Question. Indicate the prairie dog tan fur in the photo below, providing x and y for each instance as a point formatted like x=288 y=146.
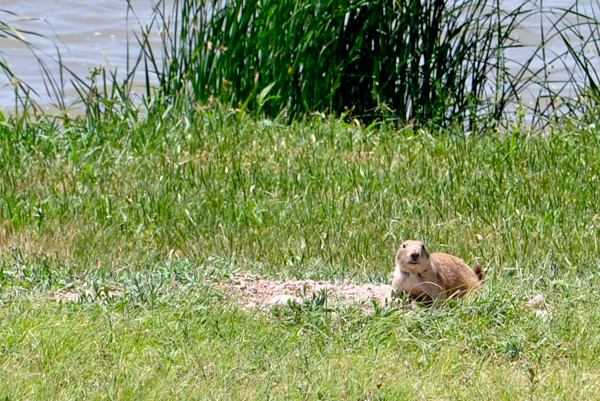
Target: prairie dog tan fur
x=432 y=276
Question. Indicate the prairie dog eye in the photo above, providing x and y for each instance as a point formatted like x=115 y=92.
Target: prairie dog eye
x=403 y=245
x=423 y=247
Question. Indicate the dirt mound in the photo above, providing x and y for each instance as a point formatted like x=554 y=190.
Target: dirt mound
x=254 y=292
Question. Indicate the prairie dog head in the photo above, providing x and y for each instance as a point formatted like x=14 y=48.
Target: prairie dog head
x=412 y=257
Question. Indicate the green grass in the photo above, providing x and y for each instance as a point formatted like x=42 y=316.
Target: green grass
x=197 y=197
x=193 y=344
x=163 y=206
x=317 y=196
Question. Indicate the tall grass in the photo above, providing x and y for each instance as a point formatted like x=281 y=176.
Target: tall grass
x=433 y=61
x=317 y=200
x=580 y=35
x=436 y=62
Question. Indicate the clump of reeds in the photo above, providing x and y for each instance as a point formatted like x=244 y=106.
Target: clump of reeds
x=434 y=61
x=577 y=94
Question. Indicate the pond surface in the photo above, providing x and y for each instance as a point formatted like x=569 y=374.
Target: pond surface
x=88 y=34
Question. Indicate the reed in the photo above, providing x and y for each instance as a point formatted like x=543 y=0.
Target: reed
x=434 y=61
x=580 y=34
x=22 y=91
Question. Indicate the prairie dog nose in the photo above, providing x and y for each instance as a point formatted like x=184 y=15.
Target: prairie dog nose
x=415 y=255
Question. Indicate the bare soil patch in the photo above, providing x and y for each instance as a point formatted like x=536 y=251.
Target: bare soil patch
x=261 y=293
x=253 y=292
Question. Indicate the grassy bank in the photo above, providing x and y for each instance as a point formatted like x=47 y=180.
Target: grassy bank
x=315 y=198
x=186 y=198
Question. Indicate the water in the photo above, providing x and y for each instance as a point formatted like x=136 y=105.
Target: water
x=93 y=33
x=88 y=34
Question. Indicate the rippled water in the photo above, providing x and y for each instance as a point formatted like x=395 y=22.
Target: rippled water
x=91 y=33
x=87 y=34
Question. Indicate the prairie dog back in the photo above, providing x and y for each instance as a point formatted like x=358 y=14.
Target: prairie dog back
x=455 y=273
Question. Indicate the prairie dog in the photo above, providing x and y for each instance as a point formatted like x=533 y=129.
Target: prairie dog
x=432 y=276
